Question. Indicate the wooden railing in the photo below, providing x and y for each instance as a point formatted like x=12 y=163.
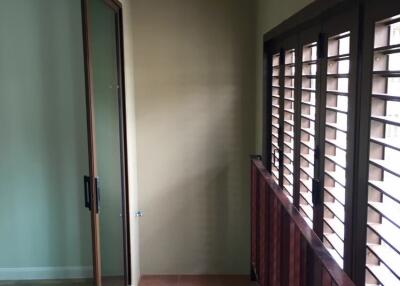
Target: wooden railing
x=285 y=251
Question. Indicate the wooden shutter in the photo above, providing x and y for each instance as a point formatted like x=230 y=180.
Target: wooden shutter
x=383 y=219
x=289 y=121
x=335 y=138
x=275 y=122
x=308 y=107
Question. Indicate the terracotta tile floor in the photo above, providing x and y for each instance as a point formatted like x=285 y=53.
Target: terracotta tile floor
x=83 y=282
x=147 y=281
x=183 y=280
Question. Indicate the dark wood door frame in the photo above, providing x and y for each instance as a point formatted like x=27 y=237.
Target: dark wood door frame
x=116 y=6
x=91 y=142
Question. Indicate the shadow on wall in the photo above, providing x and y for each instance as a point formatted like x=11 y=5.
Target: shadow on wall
x=194 y=77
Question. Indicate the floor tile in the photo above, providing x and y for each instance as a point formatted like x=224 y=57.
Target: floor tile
x=230 y=280
x=196 y=280
x=155 y=280
x=81 y=282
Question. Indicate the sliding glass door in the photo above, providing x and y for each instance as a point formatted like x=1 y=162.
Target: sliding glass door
x=45 y=231
x=109 y=125
x=63 y=184
x=107 y=142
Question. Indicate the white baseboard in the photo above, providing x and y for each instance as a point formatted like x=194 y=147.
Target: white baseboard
x=36 y=273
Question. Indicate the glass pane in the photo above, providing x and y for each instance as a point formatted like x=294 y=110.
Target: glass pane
x=106 y=100
x=45 y=231
x=395 y=34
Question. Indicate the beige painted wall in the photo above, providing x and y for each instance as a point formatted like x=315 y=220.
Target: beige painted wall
x=270 y=13
x=131 y=136
x=194 y=86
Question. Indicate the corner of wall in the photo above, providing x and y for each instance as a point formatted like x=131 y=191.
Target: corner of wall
x=131 y=137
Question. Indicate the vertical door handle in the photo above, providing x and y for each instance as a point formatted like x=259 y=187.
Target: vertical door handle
x=88 y=197
x=316 y=192
x=97 y=185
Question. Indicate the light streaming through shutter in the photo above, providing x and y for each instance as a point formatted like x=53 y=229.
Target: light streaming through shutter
x=288 y=122
x=338 y=63
x=307 y=130
x=275 y=116
x=383 y=228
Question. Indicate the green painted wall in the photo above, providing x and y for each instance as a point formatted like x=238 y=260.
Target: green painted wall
x=107 y=136
x=43 y=149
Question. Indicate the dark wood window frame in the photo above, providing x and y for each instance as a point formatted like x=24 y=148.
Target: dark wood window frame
x=316 y=23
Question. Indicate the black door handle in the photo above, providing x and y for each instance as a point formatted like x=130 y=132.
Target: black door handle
x=88 y=196
x=316 y=192
x=97 y=185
